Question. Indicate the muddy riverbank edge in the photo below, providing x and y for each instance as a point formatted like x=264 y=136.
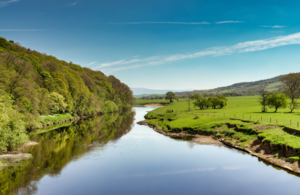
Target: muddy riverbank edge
x=262 y=150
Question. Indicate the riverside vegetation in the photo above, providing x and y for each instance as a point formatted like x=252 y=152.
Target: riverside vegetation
x=38 y=88
x=240 y=124
x=57 y=148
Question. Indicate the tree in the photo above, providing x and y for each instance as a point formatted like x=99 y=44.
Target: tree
x=263 y=99
x=277 y=100
x=170 y=96
x=292 y=88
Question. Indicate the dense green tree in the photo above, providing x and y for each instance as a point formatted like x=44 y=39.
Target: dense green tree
x=277 y=100
x=170 y=96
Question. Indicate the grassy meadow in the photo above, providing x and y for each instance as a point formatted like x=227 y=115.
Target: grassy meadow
x=241 y=107
x=244 y=112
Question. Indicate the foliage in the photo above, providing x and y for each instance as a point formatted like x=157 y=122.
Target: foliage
x=263 y=99
x=205 y=103
x=12 y=129
x=109 y=107
x=277 y=100
x=170 y=96
x=295 y=158
x=292 y=88
x=40 y=84
x=57 y=148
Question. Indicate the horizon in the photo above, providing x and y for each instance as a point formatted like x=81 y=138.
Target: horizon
x=196 y=45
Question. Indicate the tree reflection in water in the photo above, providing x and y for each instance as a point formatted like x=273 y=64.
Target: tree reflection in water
x=57 y=148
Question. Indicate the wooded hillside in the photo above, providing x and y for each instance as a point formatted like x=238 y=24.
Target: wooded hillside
x=34 y=84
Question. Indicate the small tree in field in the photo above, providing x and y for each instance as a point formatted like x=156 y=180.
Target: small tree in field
x=263 y=99
x=170 y=96
x=277 y=100
x=292 y=88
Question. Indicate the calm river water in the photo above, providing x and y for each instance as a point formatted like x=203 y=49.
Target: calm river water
x=113 y=155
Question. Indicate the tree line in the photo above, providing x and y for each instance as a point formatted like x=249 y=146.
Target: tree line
x=34 y=84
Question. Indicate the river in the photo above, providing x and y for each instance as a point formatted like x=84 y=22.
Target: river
x=112 y=154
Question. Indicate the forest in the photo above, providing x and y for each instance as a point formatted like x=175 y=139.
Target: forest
x=34 y=84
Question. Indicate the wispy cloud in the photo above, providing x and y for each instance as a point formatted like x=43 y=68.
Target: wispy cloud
x=5 y=3
x=190 y=23
x=228 y=22
x=275 y=26
x=243 y=47
x=74 y=3
x=20 y=30
x=91 y=63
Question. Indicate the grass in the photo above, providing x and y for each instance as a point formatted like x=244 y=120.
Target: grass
x=241 y=107
x=244 y=112
x=54 y=118
x=1 y=164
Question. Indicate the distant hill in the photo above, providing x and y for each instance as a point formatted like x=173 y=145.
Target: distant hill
x=145 y=91
x=237 y=89
x=244 y=88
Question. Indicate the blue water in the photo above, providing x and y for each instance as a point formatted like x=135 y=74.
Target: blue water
x=144 y=162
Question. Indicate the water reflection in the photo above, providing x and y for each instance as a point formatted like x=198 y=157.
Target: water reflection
x=57 y=148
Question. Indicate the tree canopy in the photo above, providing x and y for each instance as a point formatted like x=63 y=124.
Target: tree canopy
x=39 y=84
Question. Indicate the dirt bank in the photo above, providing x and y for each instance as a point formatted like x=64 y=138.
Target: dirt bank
x=262 y=150
x=153 y=105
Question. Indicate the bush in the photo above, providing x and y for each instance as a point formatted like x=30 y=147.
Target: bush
x=110 y=106
x=294 y=158
x=196 y=117
x=12 y=128
x=219 y=135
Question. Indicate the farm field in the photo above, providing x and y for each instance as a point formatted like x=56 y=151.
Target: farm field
x=241 y=107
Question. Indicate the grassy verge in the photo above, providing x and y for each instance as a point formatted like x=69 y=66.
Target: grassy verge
x=54 y=118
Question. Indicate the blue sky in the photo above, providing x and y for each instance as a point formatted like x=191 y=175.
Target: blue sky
x=191 y=44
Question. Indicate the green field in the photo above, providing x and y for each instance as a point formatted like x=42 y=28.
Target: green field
x=241 y=107
x=244 y=112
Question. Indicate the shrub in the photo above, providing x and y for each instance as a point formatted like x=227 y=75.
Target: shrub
x=12 y=128
x=294 y=158
x=219 y=135
x=196 y=117
x=110 y=106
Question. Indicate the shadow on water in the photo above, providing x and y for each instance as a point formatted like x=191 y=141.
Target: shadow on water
x=59 y=147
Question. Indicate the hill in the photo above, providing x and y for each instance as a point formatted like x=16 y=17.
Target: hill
x=33 y=84
x=237 y=89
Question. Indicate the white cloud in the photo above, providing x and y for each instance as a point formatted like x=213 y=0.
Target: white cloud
x=19 y=30
x=275 y=26
x=248 y=46
x=5 y=3
x=191 y=23
x=228 y=22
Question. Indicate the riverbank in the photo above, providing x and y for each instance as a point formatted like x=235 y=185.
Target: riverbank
x=262 y=149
